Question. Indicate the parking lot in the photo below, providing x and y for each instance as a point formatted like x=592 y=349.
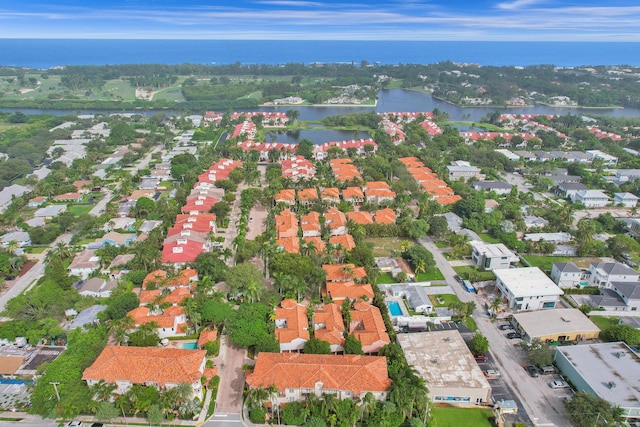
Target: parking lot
x=13 y=397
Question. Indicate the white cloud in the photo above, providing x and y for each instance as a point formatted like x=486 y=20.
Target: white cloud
x=517 y=4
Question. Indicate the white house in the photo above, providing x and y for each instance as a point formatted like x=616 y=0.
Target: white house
x=628 y=200
x=492 y=256
x=603 y=273
x=497 y=187
x=21 y=238
x=566 y=274
x=527 y=288
x=591 y=198
x=85 y=263
x=416 y=297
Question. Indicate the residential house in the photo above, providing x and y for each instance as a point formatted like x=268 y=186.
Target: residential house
x=492 y=256
x=525 y=289
x=342 y=241
x=336 y=221
x=21 y=238
x=171 y=321
x=497 y=187
x=606 y=159
x=97 y=287
x=591 y=198
x=628 y=200
x=37 y=201
x=292 y=325
x=296 y=376
x=368 y=327
x=461 y=169
x=330 y=195
x=531 y=221
x=49 y=212
x=378 y=192
x=415 y=296
x=8 y=193
x=182 y=251
x=84 y=263
x=569 y=189
x=328 y=325
x=343 y=272
x=297 y=168
x=307 y=196
x=602 y=274
x=362 y=217
x=286 y=196
x=207 y=336
x=566 y=274
x=385 y=216
x=310 y=224
x=164 y=368
x=116 y=239
x=353 y=195
x=68 y=197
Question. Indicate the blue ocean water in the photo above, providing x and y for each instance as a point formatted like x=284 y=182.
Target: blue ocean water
x=41 y=53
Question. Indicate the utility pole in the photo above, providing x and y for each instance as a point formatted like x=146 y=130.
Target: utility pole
x=55 y=387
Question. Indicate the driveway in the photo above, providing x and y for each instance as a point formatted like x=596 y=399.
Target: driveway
x=229 y=363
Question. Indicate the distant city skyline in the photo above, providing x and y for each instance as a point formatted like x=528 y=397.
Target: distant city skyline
x=477 y=20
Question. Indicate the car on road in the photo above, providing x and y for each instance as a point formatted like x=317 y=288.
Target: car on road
x=458 y=278
x=75 y=424
x=480 y=357
x=559 y=384
x=514 y=335
x=533 y=371
x=505 y=327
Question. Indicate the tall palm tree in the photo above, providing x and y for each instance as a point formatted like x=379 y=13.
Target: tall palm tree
x=367 y=404
x=12 y=246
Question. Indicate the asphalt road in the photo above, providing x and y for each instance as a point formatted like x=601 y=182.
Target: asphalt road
x=37 y=271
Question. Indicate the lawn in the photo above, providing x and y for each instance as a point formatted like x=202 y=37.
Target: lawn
x=447 y=300
x=386 y=246
x=482 y=275
x=430 y=275
x=488 y=238
x=546 y=262
x=385 y=278
x=470 y=323
x=442 y=244
x=448 y=416
x=79 y=209
x=604 y=322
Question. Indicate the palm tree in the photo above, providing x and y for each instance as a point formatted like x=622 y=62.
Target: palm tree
x=405 y=245
x=255 y=397
x=62 y=250
x=347 y=271
x=12 y=246
x=421 y=266
x=367 y=404
x=495 y=305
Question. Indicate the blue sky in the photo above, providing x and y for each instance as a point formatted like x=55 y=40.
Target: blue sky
x=477 y=20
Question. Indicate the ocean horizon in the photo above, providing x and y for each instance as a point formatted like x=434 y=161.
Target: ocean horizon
x=47 y=53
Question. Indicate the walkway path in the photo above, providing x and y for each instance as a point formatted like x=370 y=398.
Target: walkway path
x=229 y=399
x=461 y=263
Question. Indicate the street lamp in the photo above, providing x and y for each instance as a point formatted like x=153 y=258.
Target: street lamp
x=55 y=387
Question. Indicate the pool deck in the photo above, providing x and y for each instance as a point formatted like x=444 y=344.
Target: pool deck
x=401 y=303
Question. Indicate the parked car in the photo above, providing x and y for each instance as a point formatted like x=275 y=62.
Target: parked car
x=559 y=384
x=480 y=357
x=491 y=374
x=74 y=424
x=458 y=278
x=505 y=327
x=533 y=371
x=514 y=335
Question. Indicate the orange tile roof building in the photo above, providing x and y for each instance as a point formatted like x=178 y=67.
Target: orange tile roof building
x=343 y=272
x=164 y=368
x=336 y=221
x=368 y=327
x=315 y=243
x=289 y=244
x=206 y=336
x=310 y=224
x=344 y=170
x=385 y=216
x=298 y=375
x=292 y=325
x=286 y=196
x=344 y=240
x=339 y=291
x=353 y=195
x=286 y=224
x=328 y=325
x=307 y=196
x=362 y=218
x=330 y=194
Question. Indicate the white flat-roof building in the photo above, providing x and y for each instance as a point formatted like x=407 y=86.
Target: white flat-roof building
x=607 y=370
x=445 y=362
x=591 y=198
x=527 y=288
x=561 y=324
x=492 y=256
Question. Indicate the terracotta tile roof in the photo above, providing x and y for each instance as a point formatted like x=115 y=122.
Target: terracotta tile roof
x=203 y=222
x=352 y=193
x=291 y=321
x=385 y=216
x=447 y=200
x=339 y=291
x=319 y=243
x=286 y=196
x=328 y=324
x=178 y=295
x=436 y=183
x=139 y=365
x=363 y=217
x=208 y=335
x=200 y=204
x=147 y=297
x=445 y=191
x=353 y=373
x=345 y=240
x=68 y=196
x=379 y=192
x=157 y=277
x=331 y=194
x=368 y=327
x=286 y=224
x=178 y=252
x=174 y=235
x=337 y=272
x=335 y=219
x=307 y=194
x=376 y=185
x=289 y=244
x=310 y=222
x=425 y=176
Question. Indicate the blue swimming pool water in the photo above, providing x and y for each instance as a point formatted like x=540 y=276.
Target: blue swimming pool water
x=394 y=308
x=189 y=345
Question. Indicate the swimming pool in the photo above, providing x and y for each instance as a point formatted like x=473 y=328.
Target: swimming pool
x=394 y=308
x=189 y=345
